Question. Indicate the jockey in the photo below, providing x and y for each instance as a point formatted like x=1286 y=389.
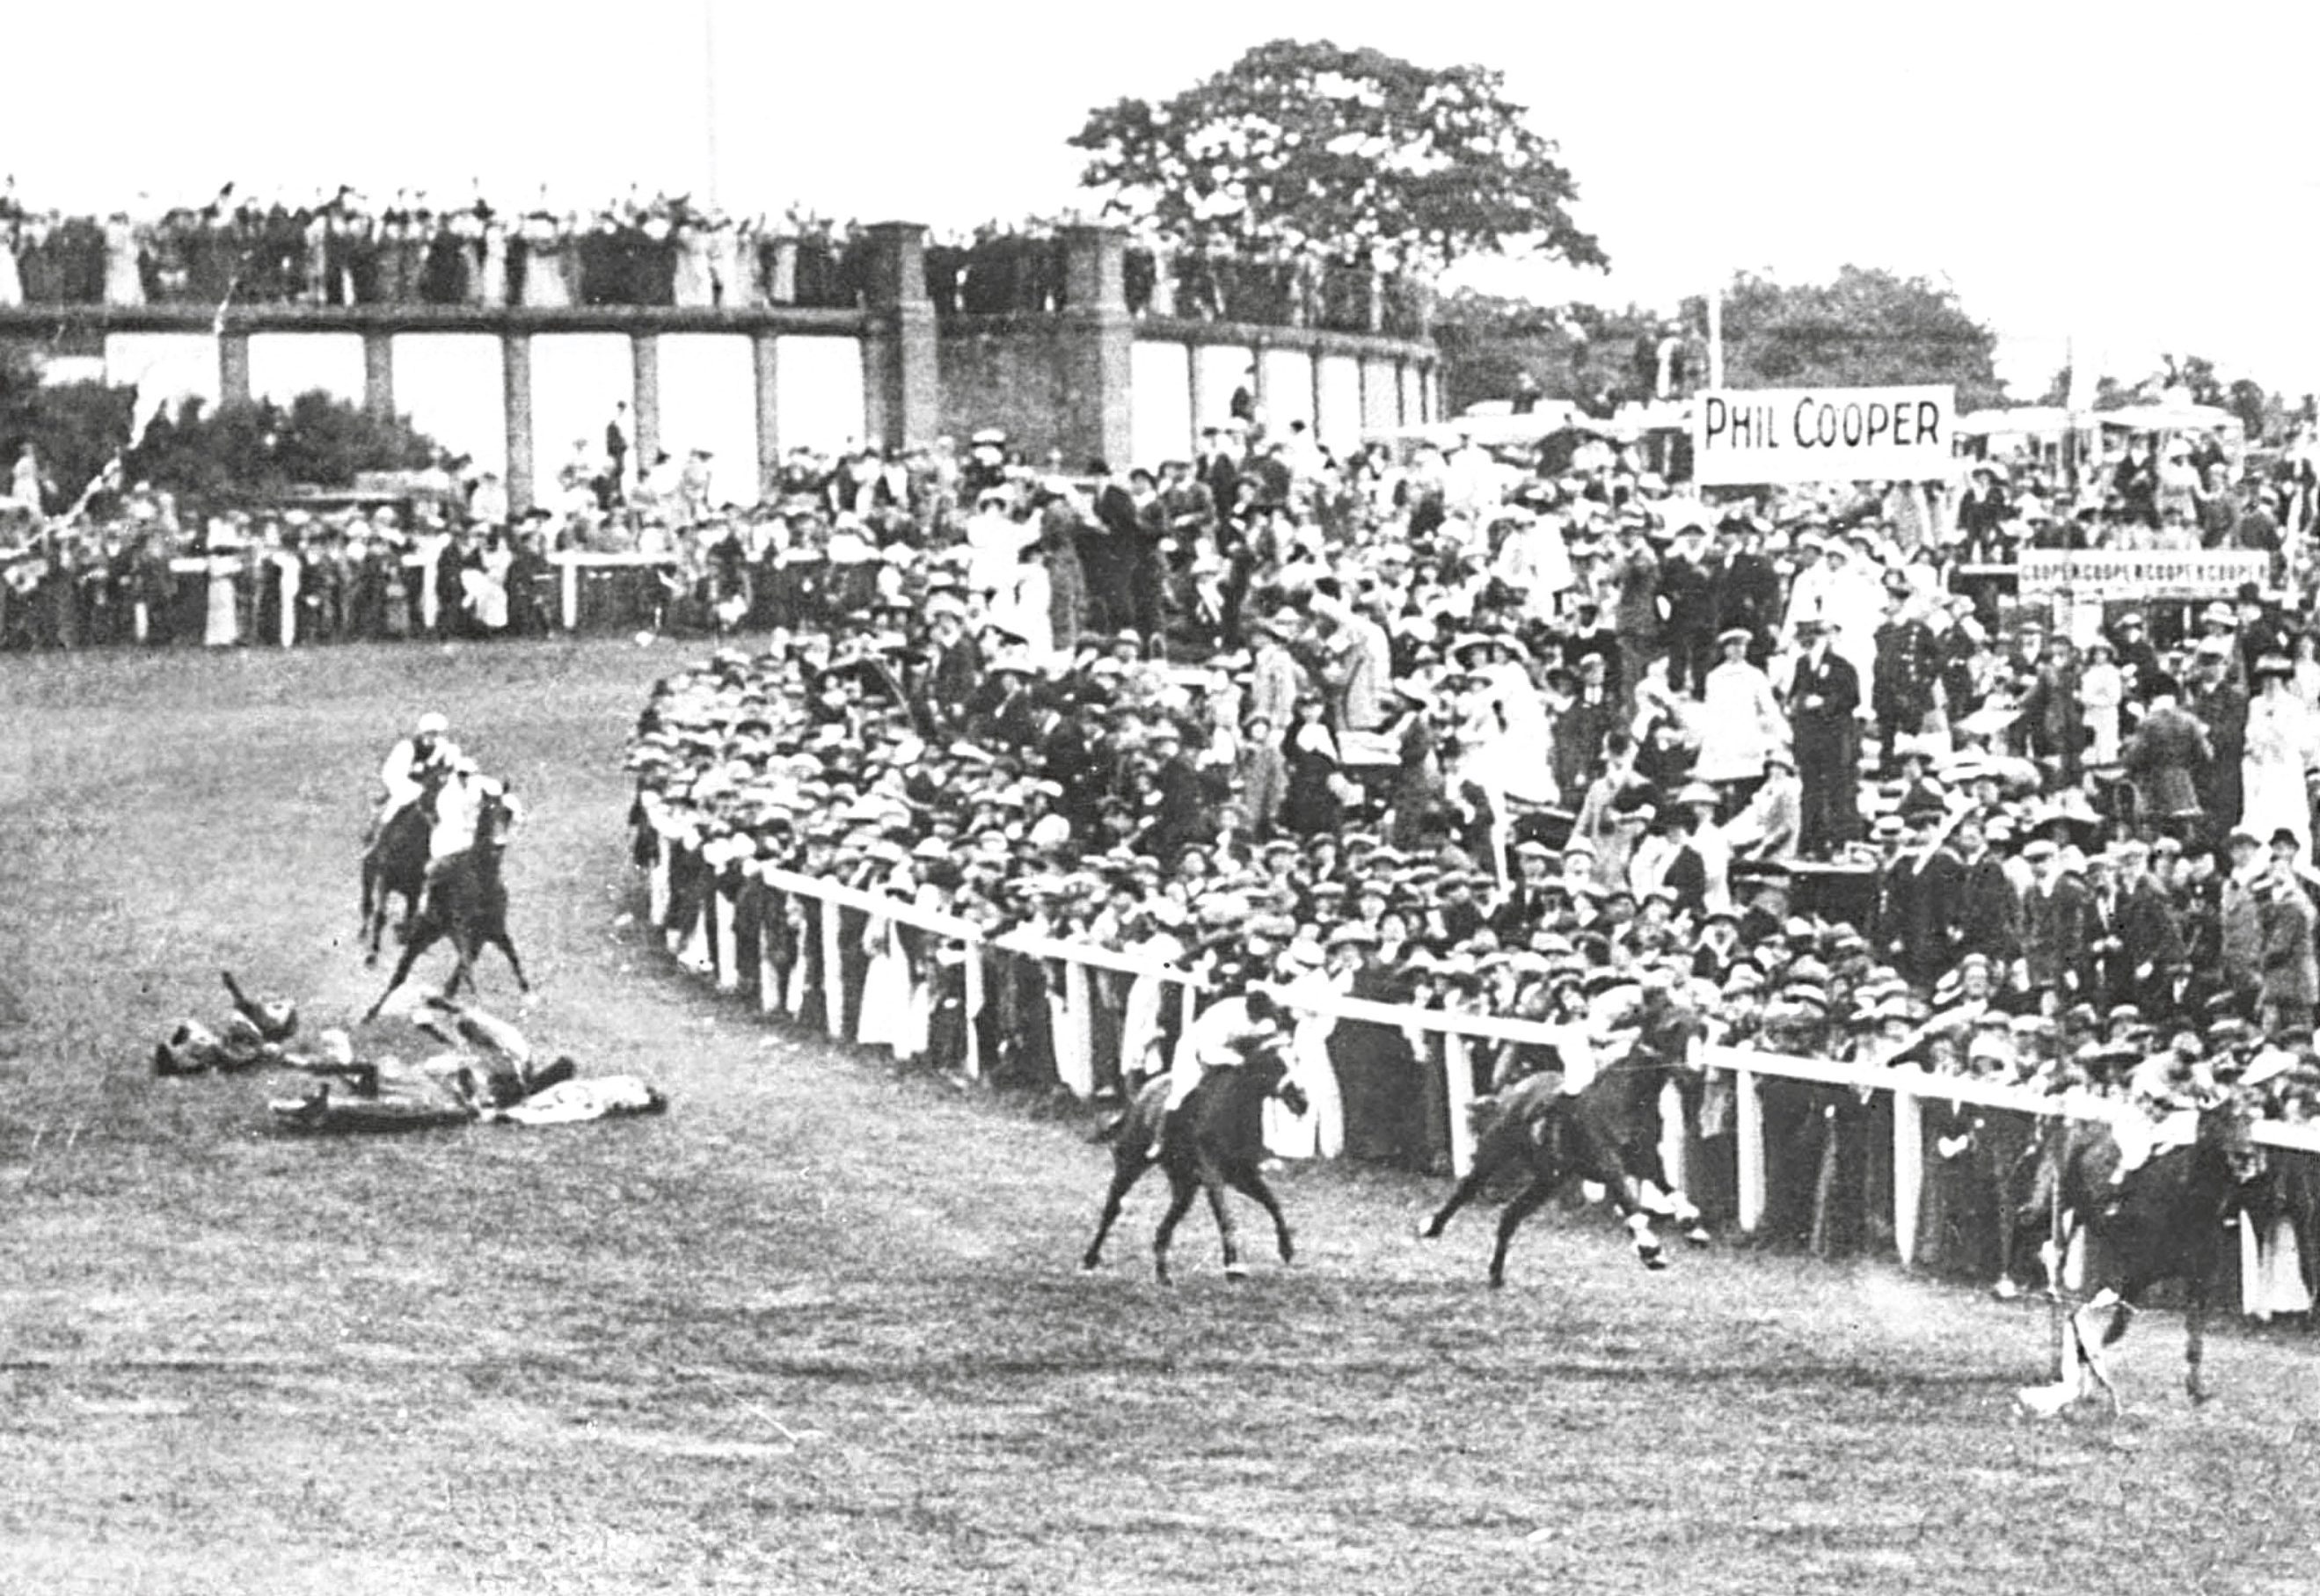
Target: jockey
x=459 y=811
x=410 y=761
x=2165 y=1092
x=1225 y=1036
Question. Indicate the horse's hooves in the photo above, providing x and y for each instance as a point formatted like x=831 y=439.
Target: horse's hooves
x=1498 y=1280
x=1090 y=1265
x=2006 y=1291
x=1699 y=1236
x=1235 y=1272
x=1653 y=1259
x=1288 y=1250
x=1428 y=1231
x=2200 y=1399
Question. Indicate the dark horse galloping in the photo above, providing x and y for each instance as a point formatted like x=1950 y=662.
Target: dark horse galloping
x=1214 y=1140
x=395 y=863
x=1604 y=1133
x=2163 y=1221
x=468 y=904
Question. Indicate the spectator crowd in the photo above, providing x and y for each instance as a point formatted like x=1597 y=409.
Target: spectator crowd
x=347 y=248
x=1460 y=730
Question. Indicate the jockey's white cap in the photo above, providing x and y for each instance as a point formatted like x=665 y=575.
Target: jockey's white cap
x=432 y=724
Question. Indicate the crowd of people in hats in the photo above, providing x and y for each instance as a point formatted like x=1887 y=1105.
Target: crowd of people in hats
x=546 y=252
x=1462 y=730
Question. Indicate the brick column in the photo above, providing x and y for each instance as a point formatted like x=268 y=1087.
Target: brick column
x=765 y=354
x=902 y=394
x=1095 y=351
x=378 y=373
x=644 y=359
x=233 y=368
x=515 y=366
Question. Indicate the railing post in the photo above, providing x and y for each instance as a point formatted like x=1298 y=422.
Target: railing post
x=673 y=933
x=773 y=998
x=568 y=592
x=1748 y=1134
x=973 y=1050
x=833 y=973
x=728 y=936
x=657 y=880
x=1075 y=1049
x=1908 y=1171
x=1457 y=1100
x=1675 y=1138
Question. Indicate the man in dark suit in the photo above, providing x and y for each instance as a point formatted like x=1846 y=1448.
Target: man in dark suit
x=2151 y=938
x=1916 y=899
x=1823 y=695
x=1525 y=900
x=1171 y=803
x=2059 y=929
x=1988 y=915
x=1744 y=591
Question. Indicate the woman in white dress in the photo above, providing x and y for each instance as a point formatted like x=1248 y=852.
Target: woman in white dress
x=547 y=281
x=2307 y=663
x=221 y=624
x=695 y=274
x=490 y=283
x=12 y=274
x=124 y=283
x=1739 y=721
x=2102 y=689
x=2283 y=749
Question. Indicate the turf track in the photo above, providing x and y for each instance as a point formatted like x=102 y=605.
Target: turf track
x=819 y=1329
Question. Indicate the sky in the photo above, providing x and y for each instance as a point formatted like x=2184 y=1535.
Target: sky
x=2113 y=180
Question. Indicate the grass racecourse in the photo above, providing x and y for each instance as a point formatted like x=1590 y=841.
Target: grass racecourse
x=821 y=1329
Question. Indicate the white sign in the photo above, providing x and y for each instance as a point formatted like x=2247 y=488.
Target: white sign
x=2119 y=573
x=1741 y=437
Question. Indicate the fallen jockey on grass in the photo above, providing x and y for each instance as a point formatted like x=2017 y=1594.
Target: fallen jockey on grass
x=253 y=1036
x=489 y=1071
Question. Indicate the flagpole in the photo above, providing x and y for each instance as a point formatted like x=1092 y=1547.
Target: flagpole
x=709 y=92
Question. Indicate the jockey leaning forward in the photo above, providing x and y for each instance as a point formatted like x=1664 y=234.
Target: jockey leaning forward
x=459 y=802
x=1650 y=1037
x=411 y=764
x=1229 y=1033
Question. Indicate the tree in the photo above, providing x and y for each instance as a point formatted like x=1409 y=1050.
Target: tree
x=1349 y=153
x=1867 y=329
x=1594 y=357
x=74 y=428
x=258 y=449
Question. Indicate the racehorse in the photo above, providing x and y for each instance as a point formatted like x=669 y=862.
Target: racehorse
x=1599 y=1134
x=468 y=904
x=1215 y=1139
x=2163 y=1221
x=395 y=862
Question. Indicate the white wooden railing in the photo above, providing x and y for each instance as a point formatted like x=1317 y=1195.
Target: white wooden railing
x=708 y=939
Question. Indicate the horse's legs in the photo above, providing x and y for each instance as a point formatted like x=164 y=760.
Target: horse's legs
x=1124 y=1173
x=1247 y=1178
x=1525 y=1203
x=2195 y=1335
x=425 y=938
x=1212 y=1186
x=1182 y=1187
x=1465 y=1191
x=506 y=944
x=2091 y=1349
